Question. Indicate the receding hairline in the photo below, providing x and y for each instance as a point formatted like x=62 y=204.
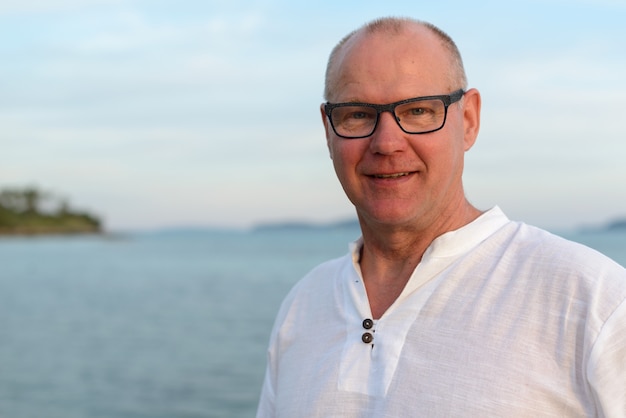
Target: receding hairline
x=396 y=26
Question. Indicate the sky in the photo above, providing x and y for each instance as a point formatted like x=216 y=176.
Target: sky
x=155 y=114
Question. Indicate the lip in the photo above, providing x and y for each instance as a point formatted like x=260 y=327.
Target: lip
x=392 y=176
x=388 y=178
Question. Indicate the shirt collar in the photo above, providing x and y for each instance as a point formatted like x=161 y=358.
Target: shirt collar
x=455 y=242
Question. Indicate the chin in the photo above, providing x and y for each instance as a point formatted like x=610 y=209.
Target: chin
x=388 y=217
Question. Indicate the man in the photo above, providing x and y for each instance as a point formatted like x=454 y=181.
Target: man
x=439 y=309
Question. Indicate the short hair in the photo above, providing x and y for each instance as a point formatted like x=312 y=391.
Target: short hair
x=395 y=25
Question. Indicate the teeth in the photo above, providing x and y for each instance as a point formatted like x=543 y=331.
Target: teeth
x=390 y=176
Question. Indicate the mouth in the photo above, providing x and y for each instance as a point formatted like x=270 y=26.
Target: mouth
x=391 y=176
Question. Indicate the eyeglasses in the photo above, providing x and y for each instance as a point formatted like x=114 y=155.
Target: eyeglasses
x=419 y=115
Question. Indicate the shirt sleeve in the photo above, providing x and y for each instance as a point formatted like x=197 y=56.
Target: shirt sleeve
x=606 y=370
x=266 y=402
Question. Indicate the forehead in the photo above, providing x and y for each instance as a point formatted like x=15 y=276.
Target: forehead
x=384 y=67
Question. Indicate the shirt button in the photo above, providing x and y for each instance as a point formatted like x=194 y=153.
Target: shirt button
x=367 y=338
x=368 y=323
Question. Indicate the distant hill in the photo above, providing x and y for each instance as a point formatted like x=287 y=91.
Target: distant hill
x=306 y=226
x=30 y=211
x=617 y=225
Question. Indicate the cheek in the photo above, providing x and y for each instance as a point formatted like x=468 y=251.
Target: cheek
x=341 y=160
x=456 y=156
x=343 y=152
x=346 y=156
x=441 y=157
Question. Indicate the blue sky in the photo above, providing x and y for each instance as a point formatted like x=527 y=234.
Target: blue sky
x=168 y=113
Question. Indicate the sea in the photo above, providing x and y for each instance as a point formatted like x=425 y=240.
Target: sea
x=171 y=324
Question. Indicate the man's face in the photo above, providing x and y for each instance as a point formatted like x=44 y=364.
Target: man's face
x=394 y=178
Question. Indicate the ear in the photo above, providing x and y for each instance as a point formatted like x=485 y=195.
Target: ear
x=471 y=117
x=327 y=129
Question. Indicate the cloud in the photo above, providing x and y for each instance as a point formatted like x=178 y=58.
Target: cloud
x=594 y=3
x=47 y=6
x=130 y=30
x=162 y=113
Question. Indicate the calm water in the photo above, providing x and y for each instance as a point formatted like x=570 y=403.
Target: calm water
x=160 y=325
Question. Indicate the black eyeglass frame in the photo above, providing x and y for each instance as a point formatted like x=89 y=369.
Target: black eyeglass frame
x=447 y=100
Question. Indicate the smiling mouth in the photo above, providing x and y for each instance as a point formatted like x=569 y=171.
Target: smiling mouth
x=391 y=176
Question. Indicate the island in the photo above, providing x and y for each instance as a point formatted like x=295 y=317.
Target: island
x=30 y=211
x=617 y=225
x=306 y=226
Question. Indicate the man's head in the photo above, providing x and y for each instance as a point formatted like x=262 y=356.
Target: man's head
x=396 y=26
x=391 y=176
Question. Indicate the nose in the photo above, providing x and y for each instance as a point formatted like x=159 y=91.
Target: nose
x=388 y=138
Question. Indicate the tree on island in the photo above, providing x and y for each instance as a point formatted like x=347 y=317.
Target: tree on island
x=30 y=211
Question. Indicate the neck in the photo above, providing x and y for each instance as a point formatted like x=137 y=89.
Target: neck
x=391 y=253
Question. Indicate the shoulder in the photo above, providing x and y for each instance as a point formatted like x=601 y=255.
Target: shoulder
x=556 y=264
x=548 y=250
x=316 y=290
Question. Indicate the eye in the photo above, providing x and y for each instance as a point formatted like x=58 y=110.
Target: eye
x=417 y=111
x=422 y=109
x=353 y=114
x=358 y=115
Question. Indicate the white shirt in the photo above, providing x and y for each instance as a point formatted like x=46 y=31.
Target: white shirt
x=499 y=319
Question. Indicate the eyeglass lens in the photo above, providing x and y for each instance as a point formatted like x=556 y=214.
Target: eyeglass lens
x=413 y=117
